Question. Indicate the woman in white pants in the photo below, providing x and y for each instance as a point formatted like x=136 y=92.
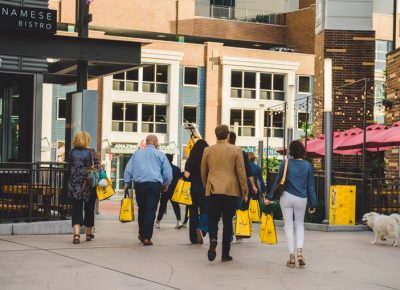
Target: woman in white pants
x=299 y=187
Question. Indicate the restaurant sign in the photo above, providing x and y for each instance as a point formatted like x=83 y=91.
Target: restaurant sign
x=27 y=19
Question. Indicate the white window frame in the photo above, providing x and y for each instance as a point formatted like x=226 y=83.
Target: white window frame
x=241 y=124
x=298 y=84
x=183 y=113
x=58 y=108
x=155 y=78
x=154 y=123
x=198 y=77
x=302 y=112
x=124 y=122
x=271 y=122
x=125 y=81
x=243 y=89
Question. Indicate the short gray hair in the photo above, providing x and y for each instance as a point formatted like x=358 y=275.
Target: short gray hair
x=151 y=139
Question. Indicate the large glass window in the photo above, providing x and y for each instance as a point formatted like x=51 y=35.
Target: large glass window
x=126 y=81
x=154 y=119
x=273 y=124
x=155 y=79
x=191 y=76
x=245 y=120
x=243 y=84
x=304 y=84
x=272 y=86
x=125 y=117
x=190 y=114
x=382 y=47
x=301 y=120
x=61 y=109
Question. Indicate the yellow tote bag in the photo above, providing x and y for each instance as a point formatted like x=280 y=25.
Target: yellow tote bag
x=126 y=213
x=182 y=192
x=267 y=230
x=242 y=224
x=104 y=192
x=254 y=210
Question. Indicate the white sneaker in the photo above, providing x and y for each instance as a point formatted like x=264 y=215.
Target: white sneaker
x=179 y=225
x=184 y=225
x=157 y=225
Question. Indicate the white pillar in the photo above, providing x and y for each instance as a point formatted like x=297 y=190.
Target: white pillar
x=173 y=122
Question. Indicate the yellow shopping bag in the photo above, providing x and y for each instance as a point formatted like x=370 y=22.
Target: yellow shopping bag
x=254 y=209
x=182 y=192
x=104 y=192
x=267 y=230
x=126 y=213
x=242 y=224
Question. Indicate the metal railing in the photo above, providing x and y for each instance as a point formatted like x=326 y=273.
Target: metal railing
x=33 y=192
x=381 y=195
x=240 y=14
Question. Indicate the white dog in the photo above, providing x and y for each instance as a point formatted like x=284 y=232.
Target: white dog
x=383 y=226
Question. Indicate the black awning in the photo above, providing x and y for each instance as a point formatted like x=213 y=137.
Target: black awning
x=105 y=57
x=64 y=72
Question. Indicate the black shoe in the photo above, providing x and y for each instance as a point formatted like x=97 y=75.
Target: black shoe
x=211 y=250
x=226 y=258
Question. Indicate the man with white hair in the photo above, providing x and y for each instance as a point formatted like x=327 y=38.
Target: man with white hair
x=151 y=172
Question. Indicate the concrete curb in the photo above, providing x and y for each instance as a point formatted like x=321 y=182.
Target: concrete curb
x=328 y=228
x=37 y=228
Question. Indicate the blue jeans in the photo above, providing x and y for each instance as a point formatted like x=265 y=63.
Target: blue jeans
x=199 y=203
x=147 y=198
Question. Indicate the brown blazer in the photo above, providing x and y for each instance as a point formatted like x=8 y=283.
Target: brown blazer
x=222 y=170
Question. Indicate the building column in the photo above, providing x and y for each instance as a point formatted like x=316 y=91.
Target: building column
x=213 y=91
x=173 y=117
x=37 y=120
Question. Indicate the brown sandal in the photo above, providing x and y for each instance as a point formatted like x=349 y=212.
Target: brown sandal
x=76 y=240
x=89 y=237
x=291 y=263
x=300 y=259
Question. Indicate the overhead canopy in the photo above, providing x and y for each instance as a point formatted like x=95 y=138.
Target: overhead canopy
x=104 y=56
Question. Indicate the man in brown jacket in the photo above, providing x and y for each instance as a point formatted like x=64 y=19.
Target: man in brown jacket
x=224 y=177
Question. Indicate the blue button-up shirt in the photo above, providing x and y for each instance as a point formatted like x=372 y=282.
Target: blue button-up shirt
x=148 y=165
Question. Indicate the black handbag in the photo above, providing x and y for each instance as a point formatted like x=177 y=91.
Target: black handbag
x=280 y=186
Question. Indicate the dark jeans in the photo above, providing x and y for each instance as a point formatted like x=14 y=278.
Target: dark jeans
x=78 y=217
x=225 y=206
x=147 y=198
x=163 y=206
x=199 y=203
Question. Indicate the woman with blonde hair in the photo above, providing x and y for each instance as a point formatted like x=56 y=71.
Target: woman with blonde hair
x=82 y=190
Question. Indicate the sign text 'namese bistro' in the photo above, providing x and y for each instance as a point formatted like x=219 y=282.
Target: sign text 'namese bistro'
x=27 y=19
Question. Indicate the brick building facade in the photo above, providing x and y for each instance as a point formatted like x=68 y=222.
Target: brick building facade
x=352 y=54
x=393 y=114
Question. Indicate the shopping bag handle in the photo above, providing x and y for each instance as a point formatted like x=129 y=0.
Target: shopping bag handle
x=126 y=194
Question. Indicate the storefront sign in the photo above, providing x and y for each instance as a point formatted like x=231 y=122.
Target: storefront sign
x=129 y=148
x=27 y=19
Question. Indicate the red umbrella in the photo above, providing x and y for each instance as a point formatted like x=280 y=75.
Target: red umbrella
x=386 y=138
x=357 y=139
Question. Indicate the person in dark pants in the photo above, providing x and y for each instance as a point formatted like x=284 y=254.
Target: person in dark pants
x=83 y=196
x=197 y=222
x=151 y=172
x=249 y=173
x=257 y=173
x=224 y=177
x=176 y=173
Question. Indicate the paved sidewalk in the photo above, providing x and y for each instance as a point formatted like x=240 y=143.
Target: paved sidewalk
x=116 y=260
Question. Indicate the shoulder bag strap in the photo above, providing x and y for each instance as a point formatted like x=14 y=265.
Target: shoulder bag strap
x=283 y=180
x=91 y=156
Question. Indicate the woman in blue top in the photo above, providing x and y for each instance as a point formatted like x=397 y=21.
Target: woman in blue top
x=257 y=173
x=299 y=186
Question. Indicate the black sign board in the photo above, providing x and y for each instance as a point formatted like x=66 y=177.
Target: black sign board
x=27 y=19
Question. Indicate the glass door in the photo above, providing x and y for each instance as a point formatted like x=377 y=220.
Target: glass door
x=9 y=124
